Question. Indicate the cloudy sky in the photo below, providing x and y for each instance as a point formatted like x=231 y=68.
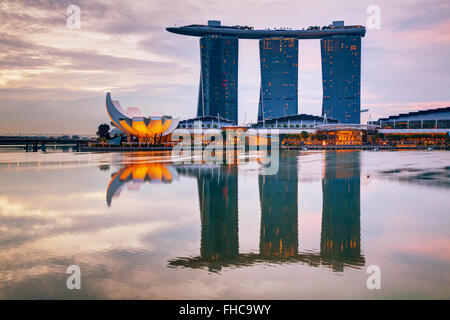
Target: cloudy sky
x=54 y=79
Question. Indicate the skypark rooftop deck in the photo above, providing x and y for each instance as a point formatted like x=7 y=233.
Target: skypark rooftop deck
x=245 y=32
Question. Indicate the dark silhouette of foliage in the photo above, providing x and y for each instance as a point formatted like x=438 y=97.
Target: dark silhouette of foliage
x=103 y=131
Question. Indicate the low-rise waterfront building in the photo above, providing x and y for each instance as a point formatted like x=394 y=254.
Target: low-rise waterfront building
x=205 y=122
x=296 y=121
x=438 y=118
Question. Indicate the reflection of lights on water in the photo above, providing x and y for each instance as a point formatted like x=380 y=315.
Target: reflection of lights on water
x=135 y=174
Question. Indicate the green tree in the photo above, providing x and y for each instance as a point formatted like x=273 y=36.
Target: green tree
x=304 y=135
x=103 y=131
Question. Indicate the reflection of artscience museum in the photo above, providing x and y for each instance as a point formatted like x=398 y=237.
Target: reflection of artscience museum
x=133 y=123
x=133 y=176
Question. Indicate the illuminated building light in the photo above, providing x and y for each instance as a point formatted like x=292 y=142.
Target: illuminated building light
x=142 y=127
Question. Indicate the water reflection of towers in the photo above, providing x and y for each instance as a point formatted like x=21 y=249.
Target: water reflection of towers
x=340 y=238
x=279 y=238
x=278 y=196
x=219 y=213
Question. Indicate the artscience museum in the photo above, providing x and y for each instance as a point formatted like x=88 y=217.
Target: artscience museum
x=133 y=123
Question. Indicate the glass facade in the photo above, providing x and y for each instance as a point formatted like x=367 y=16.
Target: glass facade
x=279 y=77
x=218 y=94
x=341 y=78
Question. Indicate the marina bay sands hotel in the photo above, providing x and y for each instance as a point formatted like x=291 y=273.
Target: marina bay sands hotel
x=278 y=48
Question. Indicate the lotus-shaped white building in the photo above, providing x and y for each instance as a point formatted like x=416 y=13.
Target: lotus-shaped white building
x=134 y=123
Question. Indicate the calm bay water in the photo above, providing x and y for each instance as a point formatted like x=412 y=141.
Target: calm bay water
x=141 y=227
